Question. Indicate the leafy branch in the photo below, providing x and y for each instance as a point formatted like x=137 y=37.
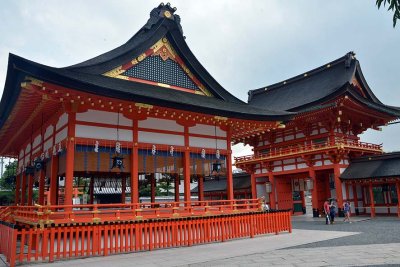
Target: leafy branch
x=393 y=5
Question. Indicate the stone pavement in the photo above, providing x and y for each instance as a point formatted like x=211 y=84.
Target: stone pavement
x=316 y=244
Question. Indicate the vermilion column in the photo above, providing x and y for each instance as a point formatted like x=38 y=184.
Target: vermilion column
x=70 y=155
x=186 y=168
x=338 y=185
x=272 y=199
x=153 y=187
x=314 y=192
x=355 y=197
x=176 y=186
x=41 y=186
x=17 y=189
x=23 y=189
x=398 y=198
x=91 y=189
x=30 y=190
x=200 y=188
x=229 y=175
x=123 y=189
x=371 y=195
x=135 y=165
x=253 y=186
x=53 y=180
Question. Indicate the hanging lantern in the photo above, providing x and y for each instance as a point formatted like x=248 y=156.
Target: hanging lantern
x=309 y=183
x=268 y=187
x=118 y=162
x=38 y=164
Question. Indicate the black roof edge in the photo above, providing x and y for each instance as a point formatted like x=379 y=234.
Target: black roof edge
x=384 y=156
x=47 y=74
x=11 y=91
x=296 y=78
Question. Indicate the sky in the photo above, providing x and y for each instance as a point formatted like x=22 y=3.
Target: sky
x=243 y=44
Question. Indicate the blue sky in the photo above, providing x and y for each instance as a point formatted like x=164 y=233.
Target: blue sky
x=243 y=44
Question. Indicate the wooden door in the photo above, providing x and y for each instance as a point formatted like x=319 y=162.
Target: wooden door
x=284 y=192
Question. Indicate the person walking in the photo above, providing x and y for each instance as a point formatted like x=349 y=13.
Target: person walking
x=346 y=210
x=327 y=212
x=332 y=211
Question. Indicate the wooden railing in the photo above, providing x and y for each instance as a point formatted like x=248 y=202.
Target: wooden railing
x=309 y=148
x=71 y=241
x=43 y=216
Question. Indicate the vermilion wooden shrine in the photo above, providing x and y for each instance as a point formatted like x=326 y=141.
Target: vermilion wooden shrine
x=143 y=112
x=334 y=105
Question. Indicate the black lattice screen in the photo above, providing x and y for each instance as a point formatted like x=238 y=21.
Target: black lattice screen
x=154 y=68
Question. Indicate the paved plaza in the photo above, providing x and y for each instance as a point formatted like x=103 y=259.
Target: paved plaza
x=365 y=242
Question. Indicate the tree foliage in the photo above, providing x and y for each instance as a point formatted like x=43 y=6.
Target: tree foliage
x=7 y=180
x=393 y=5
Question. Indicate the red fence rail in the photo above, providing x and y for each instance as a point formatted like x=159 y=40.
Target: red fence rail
x=69 y=214
x=74 y=241
x=280 y=152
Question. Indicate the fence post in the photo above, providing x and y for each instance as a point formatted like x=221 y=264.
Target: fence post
x=13 y=246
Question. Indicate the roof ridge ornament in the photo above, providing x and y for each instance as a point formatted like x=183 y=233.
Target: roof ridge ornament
x=349 y=57
x=160 y=12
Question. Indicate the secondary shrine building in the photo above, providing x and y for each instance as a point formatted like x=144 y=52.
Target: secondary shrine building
x=333 y=106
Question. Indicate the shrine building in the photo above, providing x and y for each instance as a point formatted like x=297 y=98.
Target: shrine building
x=144 y=113
x=333 y=106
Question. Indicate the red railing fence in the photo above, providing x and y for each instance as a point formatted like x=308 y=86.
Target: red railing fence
x=82 y=240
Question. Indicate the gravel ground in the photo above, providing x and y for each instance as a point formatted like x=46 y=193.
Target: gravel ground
x=374 y=231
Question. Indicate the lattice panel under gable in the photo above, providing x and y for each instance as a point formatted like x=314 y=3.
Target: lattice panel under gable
x=154 y=68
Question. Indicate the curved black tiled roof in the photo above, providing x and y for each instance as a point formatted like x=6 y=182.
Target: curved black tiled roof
x=378 y=166
x=88 y=76
x=319 y=86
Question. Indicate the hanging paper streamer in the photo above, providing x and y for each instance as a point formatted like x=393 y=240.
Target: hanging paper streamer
x=54 y=150
x=217 y=154
x=47 y=154
x=118 y=147
x=203 y=153
x=171 y=151
x=153 y=150
x=42 y=156
x=96 y=146
x=59 y=148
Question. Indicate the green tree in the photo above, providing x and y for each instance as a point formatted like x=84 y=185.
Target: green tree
x=393 y=5
x=7 y=180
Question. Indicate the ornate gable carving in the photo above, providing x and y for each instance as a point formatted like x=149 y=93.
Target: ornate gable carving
x=160 y=65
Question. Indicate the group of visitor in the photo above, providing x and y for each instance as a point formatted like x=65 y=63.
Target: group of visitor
x=330 y=211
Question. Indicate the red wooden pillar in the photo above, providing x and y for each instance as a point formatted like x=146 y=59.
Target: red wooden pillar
x=371 y=195
x=253 y=186
x=53 y=180
x=229 y=175
x=272 y=198
x=398 y=198
x=153 y=187
x=314 y=191
x=338 y=185
x=135 y=165
x=176 y=187
x=41 y=186
x=17 y=188
x=70 y=155
x=123 y=189
x=355 y=197
x=200 y=187
x=30 y=190
x=23 y=189
x=186 y=168
x=91 y=189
